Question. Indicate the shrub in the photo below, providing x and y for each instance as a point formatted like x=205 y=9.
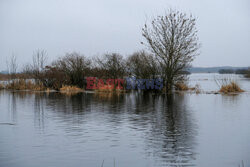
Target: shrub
x=75 y=67
x=228 y=85
x=54 y=78
x=232 y=87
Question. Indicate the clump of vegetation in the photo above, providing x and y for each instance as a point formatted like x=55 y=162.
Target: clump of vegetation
x=21 y=84
x=232 y=87
x=3 y=77
x=228 y=85
x=181 y=86
x=66 y=88
x=1 y=86
x=247 y=74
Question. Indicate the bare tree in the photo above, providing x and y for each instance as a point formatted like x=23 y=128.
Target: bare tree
x=142 y=65
x=27 y=69
x=112 y=64
x=75 y=66
x=12 y=66
x=54 y=78
x=173 y=40
x=39 y=61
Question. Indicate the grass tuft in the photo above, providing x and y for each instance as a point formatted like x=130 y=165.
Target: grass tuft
x=228 y=85
x=232 y=87
x=67 y=88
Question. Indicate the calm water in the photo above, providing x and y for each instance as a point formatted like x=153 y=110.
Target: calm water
x=134 y=130
x=207 y=81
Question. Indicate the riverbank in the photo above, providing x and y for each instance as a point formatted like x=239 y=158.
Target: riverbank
x=206 y=85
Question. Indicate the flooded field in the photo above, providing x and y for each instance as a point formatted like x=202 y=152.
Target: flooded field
x=129 y=130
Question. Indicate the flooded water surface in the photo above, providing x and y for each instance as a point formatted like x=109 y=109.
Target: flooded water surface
x=130 y=130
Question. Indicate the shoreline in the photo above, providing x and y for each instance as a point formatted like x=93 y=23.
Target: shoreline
x=124 y=92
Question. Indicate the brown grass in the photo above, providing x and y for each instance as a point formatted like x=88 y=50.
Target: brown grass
x=67 y=88
x=184 y=87
x=4 y=77
x=232 y=87
x=181 y=86
x=1 y=86
x=21 y=84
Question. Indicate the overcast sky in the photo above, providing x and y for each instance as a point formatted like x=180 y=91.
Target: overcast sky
x=94 y=27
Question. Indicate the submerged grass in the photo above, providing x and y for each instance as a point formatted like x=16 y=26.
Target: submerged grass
x=184 y=87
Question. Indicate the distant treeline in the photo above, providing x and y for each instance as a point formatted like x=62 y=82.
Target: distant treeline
x=214 y=69
x=245 y=72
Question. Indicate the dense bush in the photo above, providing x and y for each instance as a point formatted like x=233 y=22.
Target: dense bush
x=75 y=66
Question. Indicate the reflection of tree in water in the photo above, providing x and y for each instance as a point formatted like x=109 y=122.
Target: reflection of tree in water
x=166 y=124
x=14 y=98
x=39 y=115
x=12 y=106
x=75 y=109
x=61 y=106
x=169 y=129
x=76 y=113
